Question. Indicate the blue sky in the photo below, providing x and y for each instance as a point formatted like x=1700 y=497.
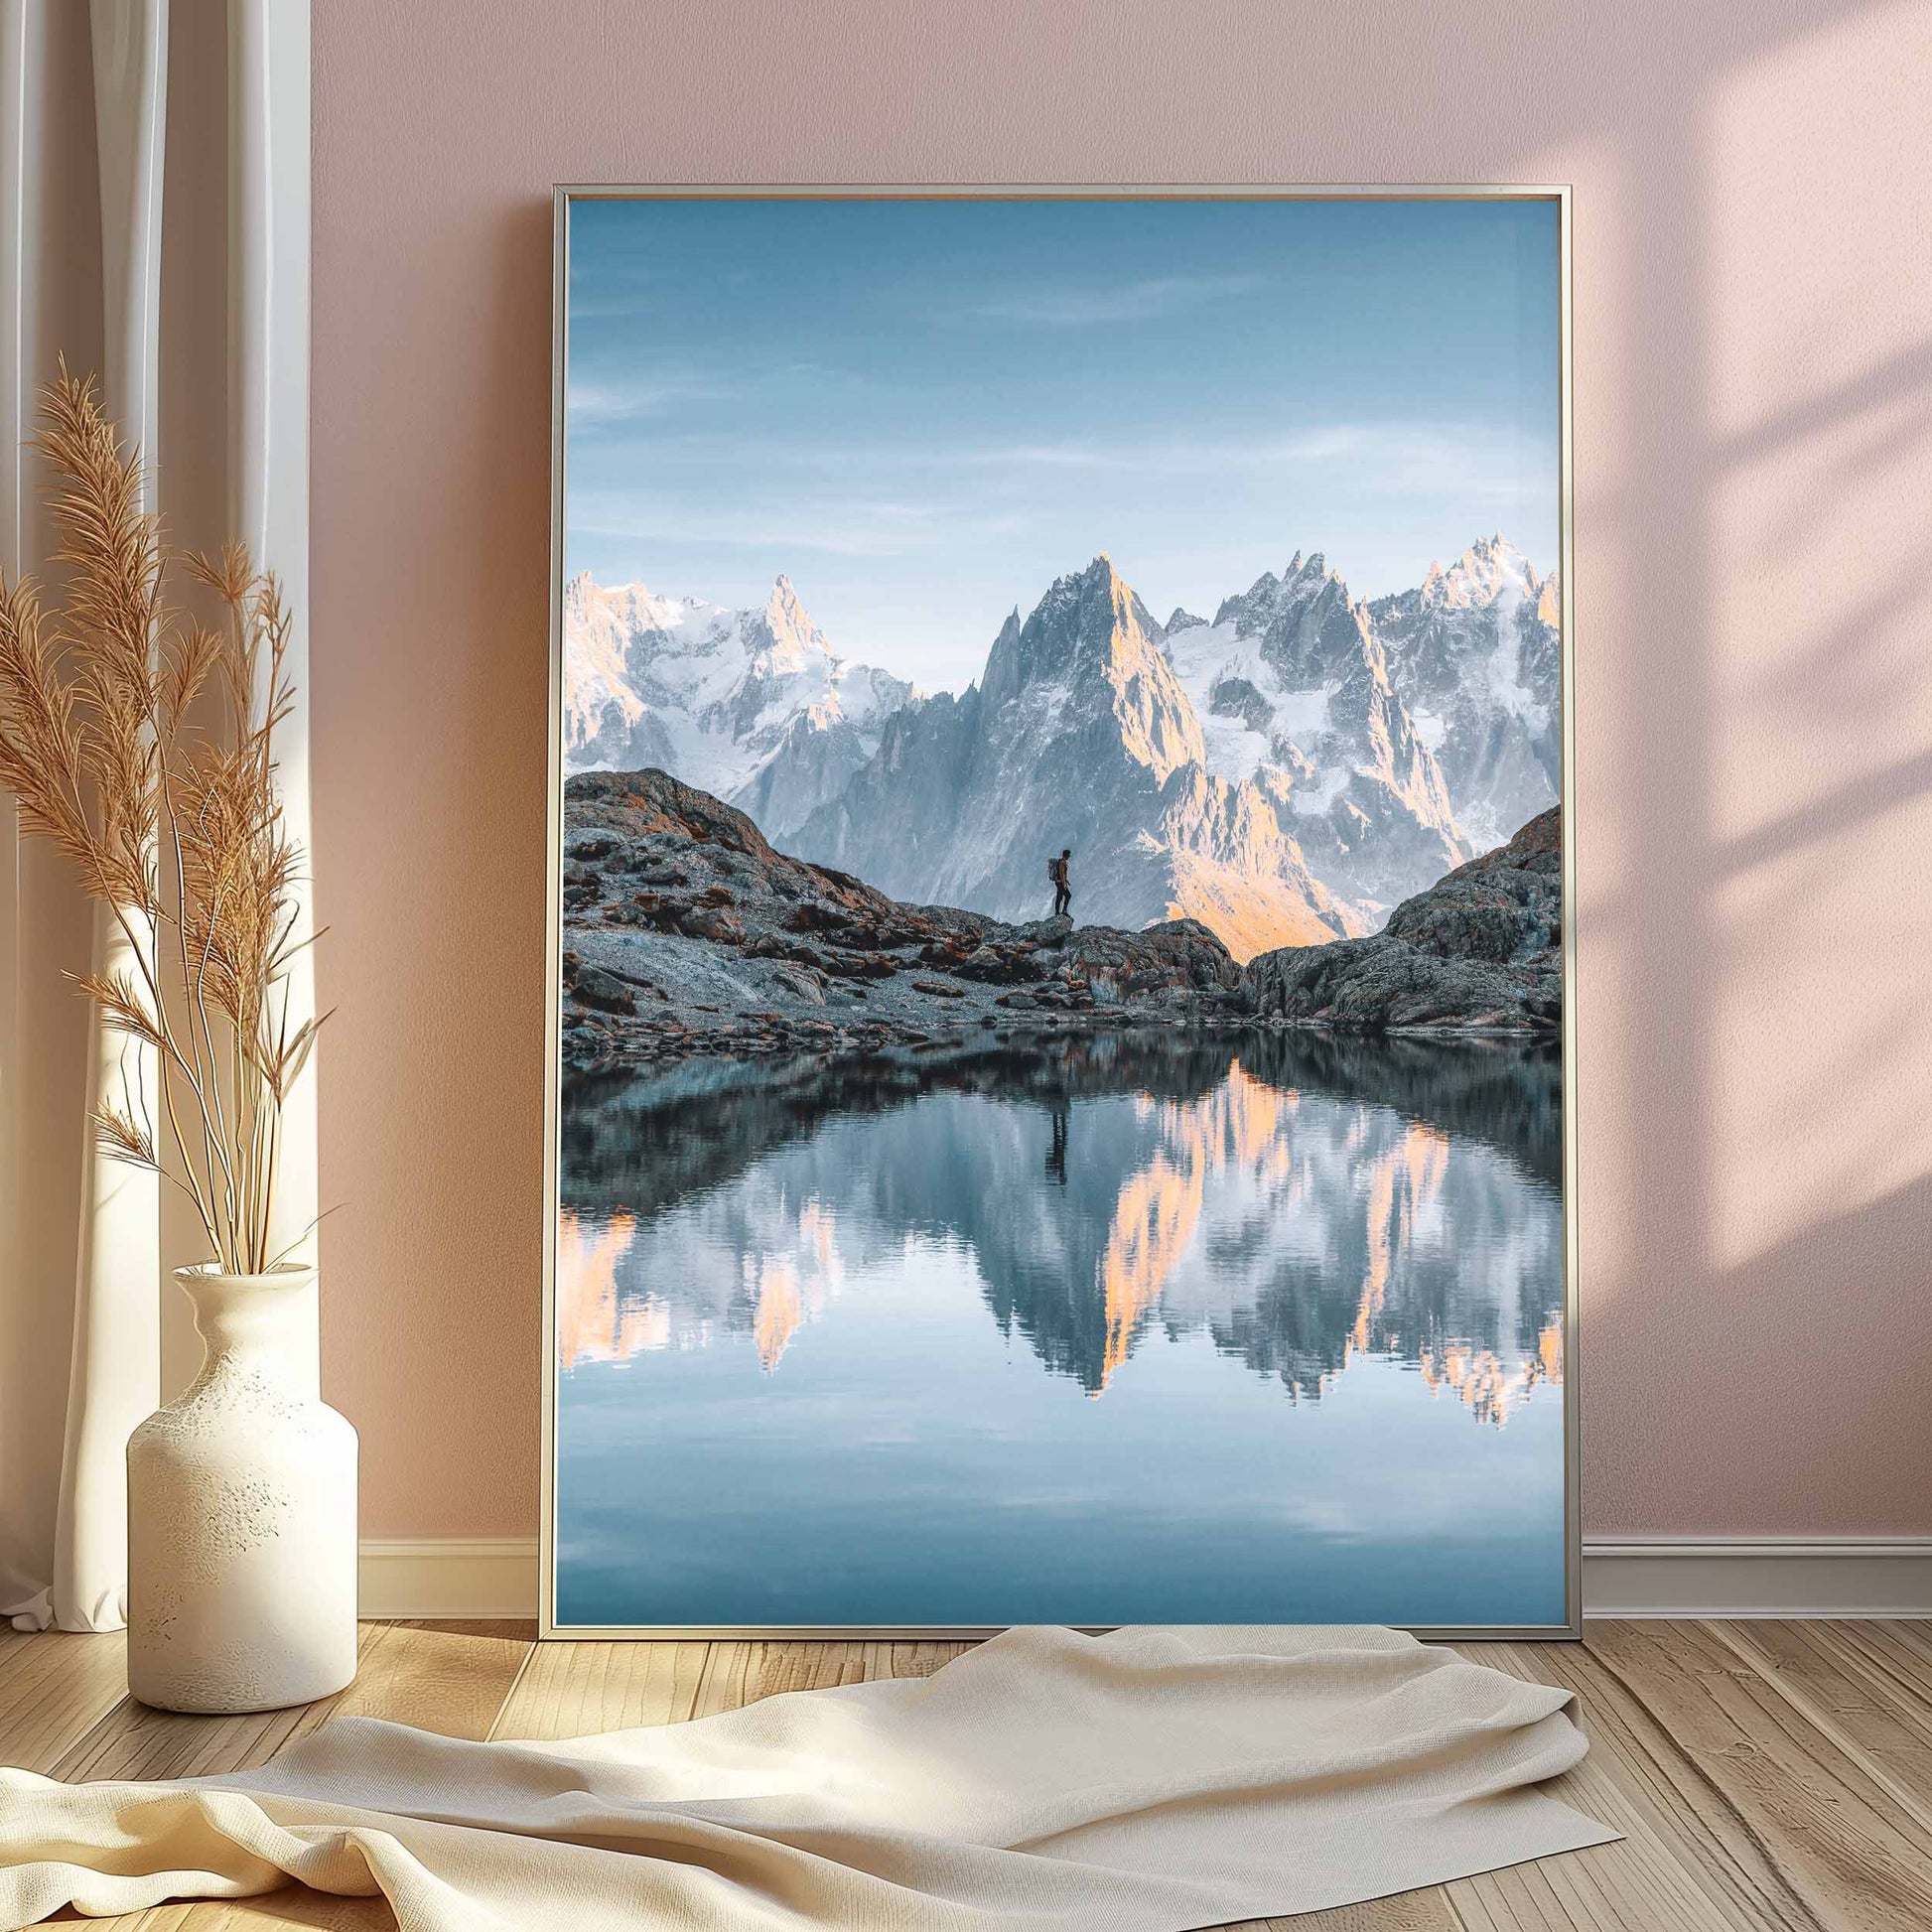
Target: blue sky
x=925 y=412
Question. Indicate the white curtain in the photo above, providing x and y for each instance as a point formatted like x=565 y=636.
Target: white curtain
x=154 y=227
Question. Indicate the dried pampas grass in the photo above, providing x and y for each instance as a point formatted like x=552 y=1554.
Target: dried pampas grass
x=178 y=829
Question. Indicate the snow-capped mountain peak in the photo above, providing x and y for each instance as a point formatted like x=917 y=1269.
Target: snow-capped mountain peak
x=795 y=640
x=1477 y=653
x=1492 y=569
x=717 y=696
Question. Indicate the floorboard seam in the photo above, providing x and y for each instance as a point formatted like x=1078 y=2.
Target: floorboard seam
x=1822 y=1722
x=1793 y=1898
x=75 y=1748
x=1883 y=1676
x=516 y=1683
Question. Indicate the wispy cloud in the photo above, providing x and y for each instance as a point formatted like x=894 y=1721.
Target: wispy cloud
x=1323 y=444
x=1371 y=451
x=1140 y=301
x=594 y=404
x=855 y=528
x=1470 y=459
x=892 y=498
x=644 y=291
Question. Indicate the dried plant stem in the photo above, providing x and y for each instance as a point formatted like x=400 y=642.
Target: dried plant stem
x=101 y=745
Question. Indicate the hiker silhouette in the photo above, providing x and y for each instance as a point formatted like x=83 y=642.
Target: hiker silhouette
x=1062 y=885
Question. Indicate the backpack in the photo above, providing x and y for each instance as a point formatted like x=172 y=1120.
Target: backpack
x=1054 y=871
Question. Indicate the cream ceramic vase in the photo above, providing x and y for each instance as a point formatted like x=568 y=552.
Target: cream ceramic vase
x=241 y=1513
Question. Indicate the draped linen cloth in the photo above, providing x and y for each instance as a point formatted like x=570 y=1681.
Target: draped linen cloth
x=154 y=227
x=1149 y=1780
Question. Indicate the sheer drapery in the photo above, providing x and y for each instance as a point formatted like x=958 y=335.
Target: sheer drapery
x=154 y=227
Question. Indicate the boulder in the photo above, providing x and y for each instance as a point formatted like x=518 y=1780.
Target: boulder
x=1000 y=965
x=1055 y=931
x=1196 y=950
x=594 y=987
x=711 y=922
x=801 y=984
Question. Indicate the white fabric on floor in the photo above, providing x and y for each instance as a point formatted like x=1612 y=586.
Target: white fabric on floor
x=1145 y=1781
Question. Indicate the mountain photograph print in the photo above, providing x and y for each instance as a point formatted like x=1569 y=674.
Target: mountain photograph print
x=1060 y=1085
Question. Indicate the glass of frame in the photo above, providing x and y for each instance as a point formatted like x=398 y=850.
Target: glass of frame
x=1059 y=1022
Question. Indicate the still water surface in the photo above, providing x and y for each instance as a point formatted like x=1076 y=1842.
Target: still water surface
x=1153 y=1329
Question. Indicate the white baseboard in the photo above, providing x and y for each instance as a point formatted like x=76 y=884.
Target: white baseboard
x=1656 y=1577
x=1758 y=1576
x=465 y=1577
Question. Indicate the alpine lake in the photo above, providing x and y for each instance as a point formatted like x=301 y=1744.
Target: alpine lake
x=1156 y=1327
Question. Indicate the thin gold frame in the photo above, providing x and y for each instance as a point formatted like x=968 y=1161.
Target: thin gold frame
x=562 y=197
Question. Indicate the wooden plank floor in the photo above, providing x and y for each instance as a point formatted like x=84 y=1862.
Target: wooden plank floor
x=1767 y=1776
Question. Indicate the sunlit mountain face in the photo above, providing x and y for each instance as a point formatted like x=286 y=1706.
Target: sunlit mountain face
x=1286 y=773
x=1298 y=1204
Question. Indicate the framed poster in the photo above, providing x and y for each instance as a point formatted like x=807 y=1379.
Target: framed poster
x=1060 y=1020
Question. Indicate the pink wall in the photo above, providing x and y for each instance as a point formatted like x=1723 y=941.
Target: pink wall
x=1754 y=566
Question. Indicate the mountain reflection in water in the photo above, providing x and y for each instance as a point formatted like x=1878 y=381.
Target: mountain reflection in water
x=1296 y=1199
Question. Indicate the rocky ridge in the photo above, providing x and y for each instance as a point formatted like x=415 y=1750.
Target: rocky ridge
x=1481 y=951
x=686 y=933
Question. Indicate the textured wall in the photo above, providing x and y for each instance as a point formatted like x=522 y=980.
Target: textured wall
x=1754 y=573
